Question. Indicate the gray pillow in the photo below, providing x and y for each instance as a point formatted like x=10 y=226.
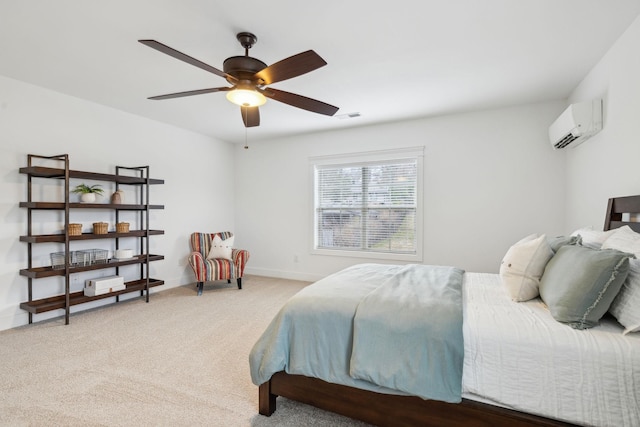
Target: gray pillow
x=556 y=242
x=579 y=283
x=626 y=306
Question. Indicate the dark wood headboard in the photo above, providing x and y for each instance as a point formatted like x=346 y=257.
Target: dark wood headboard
x=622 y=205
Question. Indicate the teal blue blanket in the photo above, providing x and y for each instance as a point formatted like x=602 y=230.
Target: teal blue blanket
x=386 y=328
x=407 y=333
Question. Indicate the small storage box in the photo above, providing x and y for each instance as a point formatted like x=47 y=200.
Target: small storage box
x=100 y=227
x=122 y=227
x=103 y=285
x=75 y=229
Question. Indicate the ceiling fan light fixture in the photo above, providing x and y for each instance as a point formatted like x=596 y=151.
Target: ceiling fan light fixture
x=246 y=97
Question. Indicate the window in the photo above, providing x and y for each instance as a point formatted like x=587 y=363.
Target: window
x=369 y=204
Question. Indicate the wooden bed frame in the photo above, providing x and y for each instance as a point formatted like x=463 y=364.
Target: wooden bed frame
x=388 y=409
x=394 y=410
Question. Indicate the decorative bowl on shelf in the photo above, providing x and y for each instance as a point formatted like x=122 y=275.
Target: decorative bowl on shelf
x=123 y=254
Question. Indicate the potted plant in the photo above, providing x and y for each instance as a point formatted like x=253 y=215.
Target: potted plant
x=88 y=193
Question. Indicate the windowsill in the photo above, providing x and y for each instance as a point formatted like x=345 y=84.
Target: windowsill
x=370 y=255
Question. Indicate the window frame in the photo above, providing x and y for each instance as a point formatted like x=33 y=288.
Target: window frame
x=361 y=159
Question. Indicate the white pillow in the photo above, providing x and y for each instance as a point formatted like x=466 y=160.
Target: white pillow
x=592 y=238
x=625 y=240
x=220 y=248
x=626 y=306
x=523 y=265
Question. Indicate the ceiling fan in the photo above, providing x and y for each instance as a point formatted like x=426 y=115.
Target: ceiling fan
x=249 y=77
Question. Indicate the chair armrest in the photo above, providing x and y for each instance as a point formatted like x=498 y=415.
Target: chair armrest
x=196 y=261
x=240 y=258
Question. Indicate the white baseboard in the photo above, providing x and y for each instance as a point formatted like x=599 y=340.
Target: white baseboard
x=13 y=320
x=292 y=275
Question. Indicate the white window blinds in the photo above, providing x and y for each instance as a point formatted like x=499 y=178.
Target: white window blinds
x=368 y=206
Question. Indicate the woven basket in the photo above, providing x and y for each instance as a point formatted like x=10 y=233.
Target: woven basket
x=122 y=227
x=100 y=227
x=75 y=229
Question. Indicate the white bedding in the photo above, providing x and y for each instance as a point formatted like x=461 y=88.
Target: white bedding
x=515 y=354
x=518 y=356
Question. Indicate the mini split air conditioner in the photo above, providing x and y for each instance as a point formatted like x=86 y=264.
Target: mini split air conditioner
x=576 y=124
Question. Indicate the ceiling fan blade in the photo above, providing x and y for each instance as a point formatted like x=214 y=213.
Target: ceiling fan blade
x=189 y=93
x=185 y=58
x=250 y=116
x=290 y=67
x=300 y=101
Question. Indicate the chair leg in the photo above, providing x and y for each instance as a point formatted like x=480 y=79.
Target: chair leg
x=200 y=286
x=239 y=282
x=228 y=280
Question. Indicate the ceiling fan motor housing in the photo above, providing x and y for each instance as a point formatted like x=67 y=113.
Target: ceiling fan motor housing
x=242 y=67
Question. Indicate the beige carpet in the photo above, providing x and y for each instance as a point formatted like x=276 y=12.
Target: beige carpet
x=180 y=360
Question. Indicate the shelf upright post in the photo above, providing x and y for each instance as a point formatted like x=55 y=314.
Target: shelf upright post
x=117 y=221
x=67 y=254
x=143 y=220
x=144 y=291
x=146 y=210
x=30 y=233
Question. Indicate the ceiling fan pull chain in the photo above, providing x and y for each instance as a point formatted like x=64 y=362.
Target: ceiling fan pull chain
x=245 y=118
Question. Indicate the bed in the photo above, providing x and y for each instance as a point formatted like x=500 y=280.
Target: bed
x=520 y=366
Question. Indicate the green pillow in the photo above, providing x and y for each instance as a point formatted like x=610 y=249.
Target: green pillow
x=579 y=283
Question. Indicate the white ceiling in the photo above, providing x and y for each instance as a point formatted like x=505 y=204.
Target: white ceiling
x=387 y=61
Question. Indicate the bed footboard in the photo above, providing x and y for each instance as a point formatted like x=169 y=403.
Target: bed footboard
x=390 y=410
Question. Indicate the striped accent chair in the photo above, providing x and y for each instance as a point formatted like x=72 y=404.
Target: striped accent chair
x=208 y=270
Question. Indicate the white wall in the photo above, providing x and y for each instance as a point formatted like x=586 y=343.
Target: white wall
x=490 y=178
x=607 y=164
x=198 y=193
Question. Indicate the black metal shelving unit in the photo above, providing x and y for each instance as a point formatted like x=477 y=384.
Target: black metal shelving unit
x=68 y=299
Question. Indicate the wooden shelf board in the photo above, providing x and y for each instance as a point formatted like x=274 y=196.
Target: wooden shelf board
x=38 y=272
x=48 y=238
x=60 y=206
x=58 y=302
x=45 y=172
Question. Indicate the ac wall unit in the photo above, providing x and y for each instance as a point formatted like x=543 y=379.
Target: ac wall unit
x=576 y=124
